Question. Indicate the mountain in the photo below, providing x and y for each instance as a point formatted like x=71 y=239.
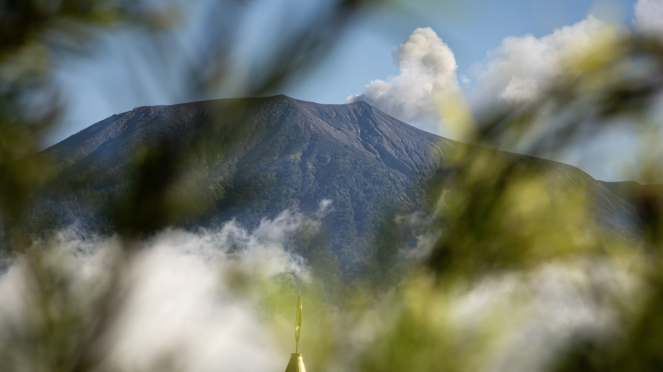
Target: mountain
x=253 y=158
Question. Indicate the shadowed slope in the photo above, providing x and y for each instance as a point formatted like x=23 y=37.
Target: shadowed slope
x=253 y=158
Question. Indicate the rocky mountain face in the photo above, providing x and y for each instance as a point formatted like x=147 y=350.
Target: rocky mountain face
x=254 y=158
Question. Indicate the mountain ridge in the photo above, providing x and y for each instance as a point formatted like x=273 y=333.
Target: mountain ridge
x=253 y=158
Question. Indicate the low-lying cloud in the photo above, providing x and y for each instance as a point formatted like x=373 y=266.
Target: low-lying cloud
x=182 y=309
x=191 y=303
x=541 y=313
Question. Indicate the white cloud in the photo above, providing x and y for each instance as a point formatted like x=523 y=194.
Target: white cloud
x=182 y=303
x=649 y=16
x=465 y=80
x=182 y=300
x=524 y=65
x=427 y=71
x=542 y=311
x=324 y=207
x=517 y=71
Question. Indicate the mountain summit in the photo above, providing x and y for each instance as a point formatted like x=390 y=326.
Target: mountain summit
x=253 y=158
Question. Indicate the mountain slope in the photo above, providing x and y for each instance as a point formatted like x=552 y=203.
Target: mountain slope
x=253 y=158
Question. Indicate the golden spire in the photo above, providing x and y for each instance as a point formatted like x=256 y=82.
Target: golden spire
x=298 y=320
x=296 y=363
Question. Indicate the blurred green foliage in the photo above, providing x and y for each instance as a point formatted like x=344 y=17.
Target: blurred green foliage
x=497 y=217
x=64 y=334
x=492 y=217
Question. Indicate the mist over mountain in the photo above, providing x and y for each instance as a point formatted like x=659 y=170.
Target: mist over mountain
x=249 y=159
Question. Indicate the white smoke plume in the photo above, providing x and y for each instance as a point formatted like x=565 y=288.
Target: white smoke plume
x=427 y=72
x=517 y=71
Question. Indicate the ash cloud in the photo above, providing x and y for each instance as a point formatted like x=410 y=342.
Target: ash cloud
x=427 y=71
x=518 y=71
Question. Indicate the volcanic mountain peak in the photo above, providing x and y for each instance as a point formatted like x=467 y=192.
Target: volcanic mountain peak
x=253 y=158
x=356 y=127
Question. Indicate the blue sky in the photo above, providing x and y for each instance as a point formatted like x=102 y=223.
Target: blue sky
x=471 y=30
x=116 y=79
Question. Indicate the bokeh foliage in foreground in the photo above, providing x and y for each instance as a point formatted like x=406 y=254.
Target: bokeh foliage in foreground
x=506 y=228
x=500 y=229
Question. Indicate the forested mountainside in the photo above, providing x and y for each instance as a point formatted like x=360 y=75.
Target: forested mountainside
x=254 y=158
